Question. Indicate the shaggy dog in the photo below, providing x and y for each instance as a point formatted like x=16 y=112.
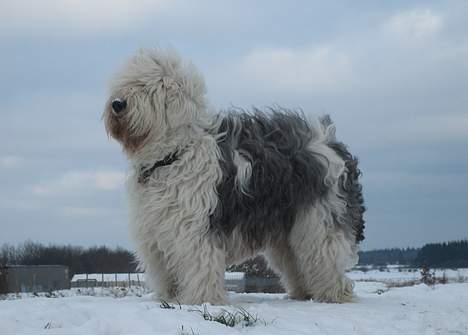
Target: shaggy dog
x=207 y=191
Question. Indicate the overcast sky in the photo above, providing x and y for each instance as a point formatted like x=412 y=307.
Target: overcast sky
x=393 y=75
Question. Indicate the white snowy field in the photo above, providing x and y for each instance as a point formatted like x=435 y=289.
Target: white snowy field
x=418 y=309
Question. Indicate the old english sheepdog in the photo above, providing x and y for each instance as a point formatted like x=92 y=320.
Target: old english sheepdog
x=210 y=190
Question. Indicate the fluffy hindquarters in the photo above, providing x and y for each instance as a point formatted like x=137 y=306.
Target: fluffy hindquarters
x=322 y=253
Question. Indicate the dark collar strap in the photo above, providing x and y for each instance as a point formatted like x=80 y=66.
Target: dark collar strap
x=146 y=172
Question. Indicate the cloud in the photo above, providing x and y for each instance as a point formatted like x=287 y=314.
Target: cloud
x=73 y=211
x=79 y=181
x=311 y=69
x=435 y=127
x=8 y=162
x=81 y=15
x=417 y=24
x=418 y=129
x=426 y=182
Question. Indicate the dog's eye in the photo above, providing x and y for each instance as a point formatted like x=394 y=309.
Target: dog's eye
x=118 y=105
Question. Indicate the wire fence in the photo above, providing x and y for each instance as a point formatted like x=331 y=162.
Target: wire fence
x=108 y=280
x=238 y=283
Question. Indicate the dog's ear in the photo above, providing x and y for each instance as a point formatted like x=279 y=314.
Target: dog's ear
x=175 y=89
x=178 y=107
x=184 y=97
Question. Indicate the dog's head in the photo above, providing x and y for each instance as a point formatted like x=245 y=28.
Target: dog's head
x=154 y=93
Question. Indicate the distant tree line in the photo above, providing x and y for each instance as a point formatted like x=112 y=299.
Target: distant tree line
x=103 y=259
x=435 y=255
x=255 y=267
x=444 y=255
x=79 y=260
x=405 y=256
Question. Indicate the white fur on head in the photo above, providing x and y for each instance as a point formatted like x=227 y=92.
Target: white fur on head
x=162 y=93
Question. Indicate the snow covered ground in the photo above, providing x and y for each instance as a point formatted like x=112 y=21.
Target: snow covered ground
x=376 y=310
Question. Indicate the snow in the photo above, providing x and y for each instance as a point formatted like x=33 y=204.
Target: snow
x=418 y=309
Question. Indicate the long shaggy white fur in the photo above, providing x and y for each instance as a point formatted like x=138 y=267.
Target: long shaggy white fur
x=170 y=214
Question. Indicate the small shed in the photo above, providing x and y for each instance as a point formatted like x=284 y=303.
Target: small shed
x=241 y=282
x=234 y=281
x=33 y=278
x=108 y=279
x=257 y=284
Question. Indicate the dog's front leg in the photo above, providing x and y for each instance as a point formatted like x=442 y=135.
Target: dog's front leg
x=200 y=271
x=158 y=277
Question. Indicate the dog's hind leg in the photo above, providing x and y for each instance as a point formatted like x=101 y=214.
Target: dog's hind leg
x=282 y=260
x=323 y=253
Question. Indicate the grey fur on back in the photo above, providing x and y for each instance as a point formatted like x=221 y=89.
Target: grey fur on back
x=286 y=177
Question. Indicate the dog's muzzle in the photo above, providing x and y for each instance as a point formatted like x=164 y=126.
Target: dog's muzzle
x=118 y=106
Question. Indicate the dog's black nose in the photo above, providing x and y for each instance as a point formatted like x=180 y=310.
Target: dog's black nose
x=118 y=105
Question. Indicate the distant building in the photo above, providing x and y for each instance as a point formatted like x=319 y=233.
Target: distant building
x=241 y=282
x=234 y=281
x=108 y=279
x=33 y=278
